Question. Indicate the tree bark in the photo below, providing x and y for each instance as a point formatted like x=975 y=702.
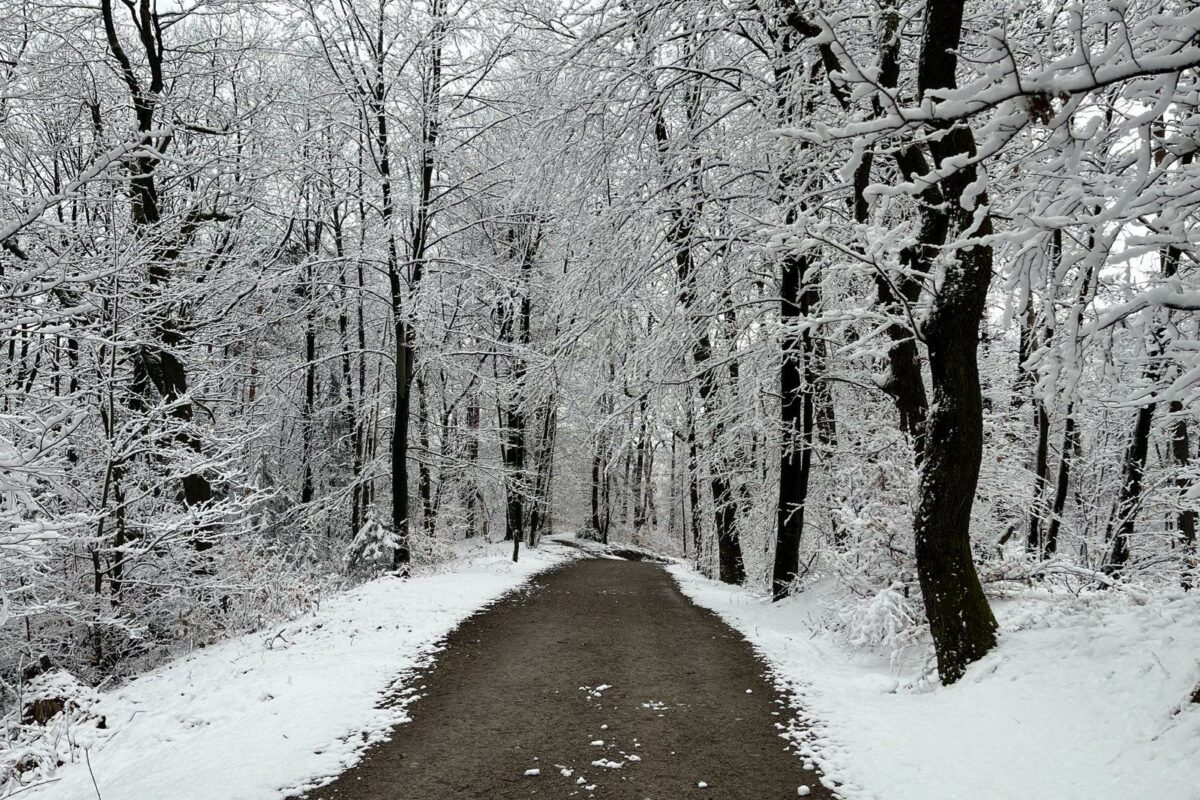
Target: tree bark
x=310 y=386
x=514 y=316
x=1062 y=483
x=1130 y=496
x=796 y=412
x=424 y=470
x=473 y=498
x=157 y=365
x=1185 y=519
x=405 y=343
x=960 y=620
x=730 y=566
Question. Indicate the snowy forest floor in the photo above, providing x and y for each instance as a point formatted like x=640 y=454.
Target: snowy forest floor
x=1085 y=698
x=269 y=714
x=598 y=678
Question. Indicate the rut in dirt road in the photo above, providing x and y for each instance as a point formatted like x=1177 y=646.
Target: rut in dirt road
x=605 y=679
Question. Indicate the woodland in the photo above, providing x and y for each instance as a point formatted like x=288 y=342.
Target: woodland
x=896 y=293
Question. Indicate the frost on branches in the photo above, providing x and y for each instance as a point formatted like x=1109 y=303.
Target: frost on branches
x=898 y=296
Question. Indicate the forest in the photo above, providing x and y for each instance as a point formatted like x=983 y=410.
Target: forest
x=893 y=296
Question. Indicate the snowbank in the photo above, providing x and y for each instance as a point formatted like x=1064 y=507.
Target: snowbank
x=1083 y=700
x=273 y=713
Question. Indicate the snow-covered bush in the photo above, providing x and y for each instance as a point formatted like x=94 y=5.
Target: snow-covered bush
x=58 y=718
x=889 y=622
x=371 y=548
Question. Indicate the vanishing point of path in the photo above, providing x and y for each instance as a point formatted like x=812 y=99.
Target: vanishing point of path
x=521 y=686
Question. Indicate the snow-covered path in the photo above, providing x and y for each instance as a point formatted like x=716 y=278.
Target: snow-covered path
x=269 y=715
x=602 y=681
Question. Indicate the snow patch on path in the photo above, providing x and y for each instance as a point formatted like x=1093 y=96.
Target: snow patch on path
x=1084 y=698
x=275 y=713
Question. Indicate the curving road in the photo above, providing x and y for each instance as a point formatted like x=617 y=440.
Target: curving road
x=604 y=679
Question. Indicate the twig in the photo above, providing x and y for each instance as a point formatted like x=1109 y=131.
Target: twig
x=95 y=785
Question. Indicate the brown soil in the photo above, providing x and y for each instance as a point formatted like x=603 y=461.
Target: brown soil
x=517 y=689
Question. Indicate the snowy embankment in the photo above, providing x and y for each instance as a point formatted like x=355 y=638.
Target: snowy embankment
x=1084 y=699
x=271 y=714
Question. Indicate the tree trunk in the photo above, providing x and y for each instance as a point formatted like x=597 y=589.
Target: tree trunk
x=543 y=459
x=729 y=553
x=960 y=620
x=693 y=469
x=1185 y=520
x=473 y=499
x=405 y=344
x=514 y=316
x=513 y=455
x=903 y=379
x=308 y=409
x=597 y=473
x=641 y=477
x=682 y=218
x=424 y=471
x=796 y=411
x=1036 y=543
x=1062 y=483
x=157 y=365
x=1130 y=496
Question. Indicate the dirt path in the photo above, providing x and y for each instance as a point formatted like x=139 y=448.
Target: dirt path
x=521 y=686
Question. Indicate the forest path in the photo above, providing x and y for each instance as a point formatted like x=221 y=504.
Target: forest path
x=597 y=651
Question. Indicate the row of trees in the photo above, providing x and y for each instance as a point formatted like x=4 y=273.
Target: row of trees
x=894 y=290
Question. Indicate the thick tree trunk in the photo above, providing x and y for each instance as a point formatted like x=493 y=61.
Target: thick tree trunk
x=798 y=294
x=960 y=621
x=897 y=298
x=403 y=356
x=796 y=412
x=310 y=387
x=405 y=344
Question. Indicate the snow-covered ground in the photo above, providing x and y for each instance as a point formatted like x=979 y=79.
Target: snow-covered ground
x=1084 y=699
x=270 y=714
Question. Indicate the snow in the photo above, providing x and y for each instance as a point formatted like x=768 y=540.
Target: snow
x=279 y=712
x=1084 y=697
